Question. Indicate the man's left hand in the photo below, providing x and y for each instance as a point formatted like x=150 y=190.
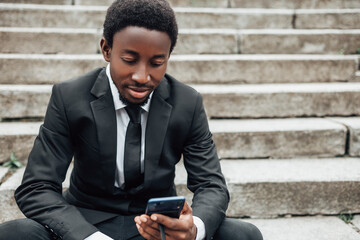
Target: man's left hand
x=175 y=229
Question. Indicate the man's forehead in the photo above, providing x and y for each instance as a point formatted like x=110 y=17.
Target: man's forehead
x=139 y=37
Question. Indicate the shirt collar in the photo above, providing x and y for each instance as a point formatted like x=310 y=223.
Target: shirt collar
x=115 y=94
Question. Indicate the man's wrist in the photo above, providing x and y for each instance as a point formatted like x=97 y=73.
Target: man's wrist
x=200 y=228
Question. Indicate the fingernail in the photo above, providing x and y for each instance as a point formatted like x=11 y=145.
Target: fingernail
x=144 y=219
x=153 y=217
x=138 y=226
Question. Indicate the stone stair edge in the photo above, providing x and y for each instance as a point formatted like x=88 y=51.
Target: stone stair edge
x=215 y=4
x=238 y=18
x=259 y=138
x=15 y=127
x=298 y=194
x=306 y=227
x=182 y=9
x=258 y=101
x=244 y=171
x=195 y=57
x=313 y=87
x=190 y=41
x=233 y=31
x=215 y=68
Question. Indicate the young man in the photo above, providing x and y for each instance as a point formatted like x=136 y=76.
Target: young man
x=126 y=126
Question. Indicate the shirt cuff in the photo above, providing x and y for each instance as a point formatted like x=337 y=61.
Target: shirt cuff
x=201 y=233
x=98 y=236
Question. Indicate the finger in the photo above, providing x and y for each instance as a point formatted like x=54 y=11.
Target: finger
x=166 y=221
x=148 y=226
x=146 y=234
x=173 y=223
x=186 y=209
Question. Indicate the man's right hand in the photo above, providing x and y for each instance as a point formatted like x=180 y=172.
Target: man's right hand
x=175 y=229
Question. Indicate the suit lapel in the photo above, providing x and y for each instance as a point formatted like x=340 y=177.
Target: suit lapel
x=105 y=120
x=156 y=128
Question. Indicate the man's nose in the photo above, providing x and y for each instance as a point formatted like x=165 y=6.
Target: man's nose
x=141 y=75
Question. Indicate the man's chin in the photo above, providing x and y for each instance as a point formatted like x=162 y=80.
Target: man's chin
x=127 y=101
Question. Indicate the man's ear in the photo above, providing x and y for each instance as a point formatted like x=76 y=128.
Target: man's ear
x=105 y=49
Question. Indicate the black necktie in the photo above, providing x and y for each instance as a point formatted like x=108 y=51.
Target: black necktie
x=132 y=170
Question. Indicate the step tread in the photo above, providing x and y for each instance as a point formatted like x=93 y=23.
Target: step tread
x=227 y=88
x=352 y=122
x=196 y=57
x=274 y=125
x=220 y=31
x=183 y=9
x=216 y=126
x=291 y=170
x=299 y=228
x=326 y=170
x=19 y=128
x=276 y=88
x=356 y=221
x=3 y=172
x=240 y=171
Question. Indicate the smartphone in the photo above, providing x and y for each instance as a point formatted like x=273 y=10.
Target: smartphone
x=169 y=206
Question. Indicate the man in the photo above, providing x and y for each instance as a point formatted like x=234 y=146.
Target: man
x=126 y=126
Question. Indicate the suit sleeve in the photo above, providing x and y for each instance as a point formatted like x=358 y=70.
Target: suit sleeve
x=40 y=195
x=205 y=179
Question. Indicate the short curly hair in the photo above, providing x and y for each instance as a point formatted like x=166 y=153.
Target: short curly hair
x=151 y=14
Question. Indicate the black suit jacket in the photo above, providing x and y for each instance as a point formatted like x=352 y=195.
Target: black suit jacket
x=80 y=123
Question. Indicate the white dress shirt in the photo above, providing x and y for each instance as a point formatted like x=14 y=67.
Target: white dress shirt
x=122 y=120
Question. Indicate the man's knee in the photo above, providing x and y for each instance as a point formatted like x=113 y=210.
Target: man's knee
x=237 y=230
x=23 y=229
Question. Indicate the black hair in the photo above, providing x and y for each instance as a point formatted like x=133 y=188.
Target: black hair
x=151 y=14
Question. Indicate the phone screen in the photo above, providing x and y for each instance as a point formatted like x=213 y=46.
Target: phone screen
x=169 y=206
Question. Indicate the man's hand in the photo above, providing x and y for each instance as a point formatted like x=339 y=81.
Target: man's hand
x=175 y=229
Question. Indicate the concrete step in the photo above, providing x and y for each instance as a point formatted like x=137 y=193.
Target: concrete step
x=294 y=4
x=9 y=209
x=254 y=138
x=291 y=4
x=174 y=3
x=28 y=15
x=50 y=2
x=221 y=101
x=356 y=223
x=21 y=101
x=191 y=41
x=300 y=228
x=286 y=41
x=353 y=127
x=87 y=41
x=278 y=138
x=218 y=69
x=291 y=187
x=17 y=137
x=327 y=18
x=281 y=100
x=271 y=188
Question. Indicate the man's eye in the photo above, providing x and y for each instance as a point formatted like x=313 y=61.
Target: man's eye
x=129 y=60
x=157 y=64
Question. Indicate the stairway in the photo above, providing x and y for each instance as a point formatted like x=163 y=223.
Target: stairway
x=281 y=87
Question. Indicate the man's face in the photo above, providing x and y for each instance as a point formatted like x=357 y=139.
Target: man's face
x=138 y=61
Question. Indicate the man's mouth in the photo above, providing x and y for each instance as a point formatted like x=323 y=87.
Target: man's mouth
x=139 y=92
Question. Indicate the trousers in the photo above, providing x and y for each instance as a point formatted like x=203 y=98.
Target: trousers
x=122 y=228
